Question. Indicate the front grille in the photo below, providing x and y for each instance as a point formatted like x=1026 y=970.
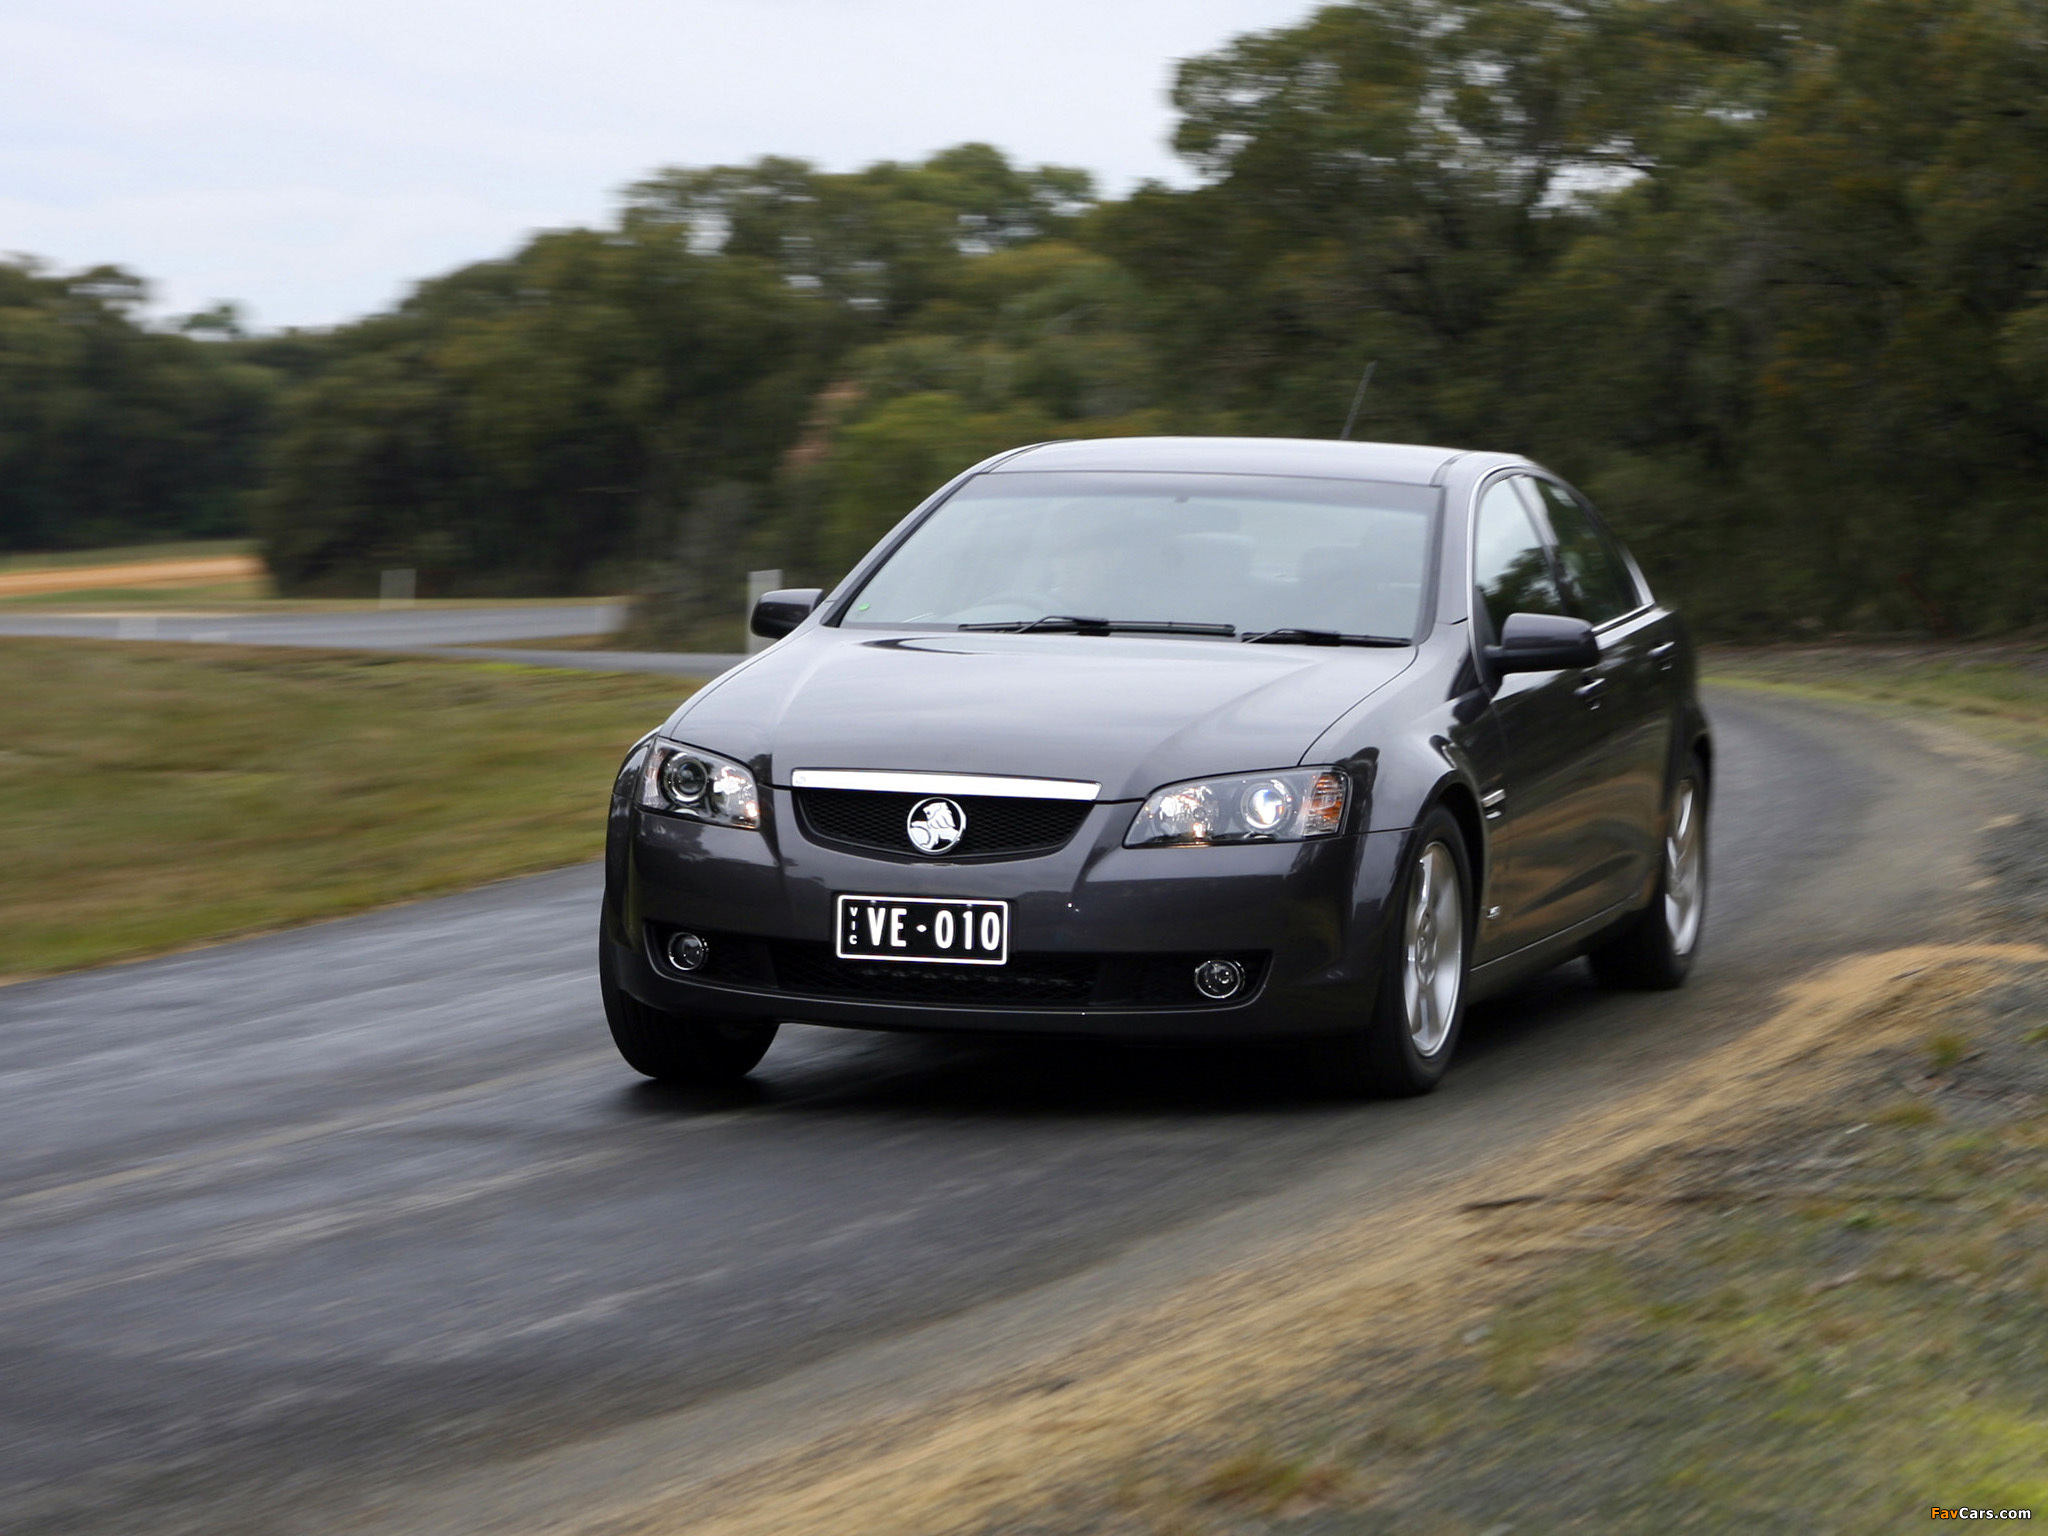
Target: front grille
x=1028 y=981
x=1049 y=981
x=997 y=826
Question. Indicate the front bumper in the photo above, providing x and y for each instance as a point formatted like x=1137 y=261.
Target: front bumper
x=1308 y=918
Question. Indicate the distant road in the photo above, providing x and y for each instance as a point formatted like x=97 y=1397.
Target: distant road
x=424 y=631
x=402 y=629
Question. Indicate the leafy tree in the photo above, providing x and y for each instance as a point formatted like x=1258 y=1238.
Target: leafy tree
x=112 y=432
x=534 y=425
x=1762 y=275
x=1028 y=343
x=880 y=243
x=1793 y=360
x=1766 y=276
x=623 y=404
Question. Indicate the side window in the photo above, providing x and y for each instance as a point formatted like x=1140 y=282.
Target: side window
x=1593 y=567
x=1510 y=566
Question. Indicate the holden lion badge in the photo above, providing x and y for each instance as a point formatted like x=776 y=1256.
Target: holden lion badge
x=936 y=825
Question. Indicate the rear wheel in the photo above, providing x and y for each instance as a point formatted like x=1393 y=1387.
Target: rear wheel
x=1413 y=1031
x=702 y=1048
x=1654 y=952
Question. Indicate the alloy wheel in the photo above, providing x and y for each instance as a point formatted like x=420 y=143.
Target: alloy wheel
x=1433 y=952
x=1685 y=848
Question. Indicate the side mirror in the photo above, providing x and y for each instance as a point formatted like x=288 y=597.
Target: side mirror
x=1543 y=642
x=777 y=613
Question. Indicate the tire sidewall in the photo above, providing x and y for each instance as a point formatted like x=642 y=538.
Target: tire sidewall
x=678 y=1048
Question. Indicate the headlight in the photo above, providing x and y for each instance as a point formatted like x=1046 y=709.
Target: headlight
x=699 y=785
x=1282 y=807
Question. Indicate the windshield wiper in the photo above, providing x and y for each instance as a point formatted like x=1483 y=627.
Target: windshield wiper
x=1320 y=637
x=1075 y=624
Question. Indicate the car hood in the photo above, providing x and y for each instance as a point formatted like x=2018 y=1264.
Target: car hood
x=1128 y=712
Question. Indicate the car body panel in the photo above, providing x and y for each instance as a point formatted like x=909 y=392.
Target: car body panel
x=1560 y=793
x=1296 y=903
x=1129 y=712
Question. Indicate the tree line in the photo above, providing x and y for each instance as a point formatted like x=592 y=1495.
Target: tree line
x=1765 y=277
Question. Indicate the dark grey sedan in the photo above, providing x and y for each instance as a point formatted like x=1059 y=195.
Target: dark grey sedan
x=1199 y=738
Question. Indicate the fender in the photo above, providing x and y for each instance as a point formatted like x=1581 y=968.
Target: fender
x=618 y=832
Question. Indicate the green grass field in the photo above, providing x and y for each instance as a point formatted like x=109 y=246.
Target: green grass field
x=153 y=797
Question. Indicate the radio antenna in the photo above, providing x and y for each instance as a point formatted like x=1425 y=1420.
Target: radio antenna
x=1356 y=401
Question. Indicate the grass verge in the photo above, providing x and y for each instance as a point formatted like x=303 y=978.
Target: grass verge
x=155 y=797
x=1838 y=1314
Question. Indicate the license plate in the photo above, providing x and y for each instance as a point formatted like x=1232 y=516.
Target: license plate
x=925 y=928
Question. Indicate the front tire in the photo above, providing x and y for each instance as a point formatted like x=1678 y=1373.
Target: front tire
x=691 y=1048
x=1654 y=952
x=1420 y=1008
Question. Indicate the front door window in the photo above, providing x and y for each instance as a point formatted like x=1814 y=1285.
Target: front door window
x=1599 y=578
x=1510 y=567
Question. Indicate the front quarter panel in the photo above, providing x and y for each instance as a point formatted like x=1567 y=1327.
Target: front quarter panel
x=1426 y=731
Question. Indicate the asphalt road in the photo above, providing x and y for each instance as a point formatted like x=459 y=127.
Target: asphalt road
x=403 y=629
x=363 y=1225
x=474 y=634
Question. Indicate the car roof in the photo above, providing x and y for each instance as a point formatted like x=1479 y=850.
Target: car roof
x=1320 y=458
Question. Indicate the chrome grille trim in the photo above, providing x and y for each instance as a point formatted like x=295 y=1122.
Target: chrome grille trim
x=891 y=781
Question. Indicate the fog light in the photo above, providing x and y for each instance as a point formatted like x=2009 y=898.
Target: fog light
x=1219 y=979
x=688 y=951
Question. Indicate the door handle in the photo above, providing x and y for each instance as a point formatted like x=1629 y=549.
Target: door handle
x=1591 y=689
x=1662 y=654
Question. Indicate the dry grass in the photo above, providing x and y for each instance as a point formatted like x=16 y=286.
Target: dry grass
x=153 y=797
x=253 y=593
x=61 y=559
x=209 y=574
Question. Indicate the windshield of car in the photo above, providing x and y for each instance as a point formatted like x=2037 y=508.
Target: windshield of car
x=1263 y=555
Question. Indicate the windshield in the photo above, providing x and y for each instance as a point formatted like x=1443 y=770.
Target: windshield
x=1258 y=553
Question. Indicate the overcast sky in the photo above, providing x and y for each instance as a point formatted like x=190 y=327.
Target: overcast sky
x=311 y=158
